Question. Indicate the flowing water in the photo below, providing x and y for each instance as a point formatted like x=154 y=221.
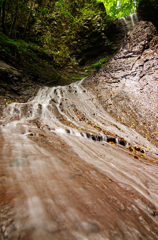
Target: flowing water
x=68 y=170
x=127 y=23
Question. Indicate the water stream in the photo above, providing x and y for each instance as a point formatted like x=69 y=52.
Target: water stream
x=71 y=171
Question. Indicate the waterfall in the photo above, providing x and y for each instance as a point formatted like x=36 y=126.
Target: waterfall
x=127 y=23
x=61 y=107
x=68 y=171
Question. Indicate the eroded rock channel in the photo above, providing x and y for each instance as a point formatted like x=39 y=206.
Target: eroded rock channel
x=71 y=168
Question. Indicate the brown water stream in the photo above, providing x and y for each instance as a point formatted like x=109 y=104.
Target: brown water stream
x=68 y=170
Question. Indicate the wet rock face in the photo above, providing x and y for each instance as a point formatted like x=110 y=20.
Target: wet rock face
x=127 y=86
x=139 y=39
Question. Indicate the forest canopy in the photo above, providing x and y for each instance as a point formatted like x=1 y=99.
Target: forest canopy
x=119 y=8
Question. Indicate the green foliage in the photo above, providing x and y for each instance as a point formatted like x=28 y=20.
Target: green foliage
x=61 y=27
x=16 y=15
x=99 y=63
x=119 y=8
x=87 y=11
x=63 y=7
x=11 y=46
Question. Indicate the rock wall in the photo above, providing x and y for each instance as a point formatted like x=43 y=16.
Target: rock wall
x=21 y=83
x=14 y=85
x=127 y=86
x=148 y=11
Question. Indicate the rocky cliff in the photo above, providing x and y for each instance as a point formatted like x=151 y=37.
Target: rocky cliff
x=127 y=86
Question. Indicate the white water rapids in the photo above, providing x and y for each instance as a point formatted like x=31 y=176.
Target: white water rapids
x=67 y=172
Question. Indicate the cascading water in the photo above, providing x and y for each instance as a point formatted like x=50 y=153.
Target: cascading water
x=67 y=172
x=127 y=23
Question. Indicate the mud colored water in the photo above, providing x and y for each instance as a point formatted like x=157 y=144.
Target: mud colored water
x=68 y=170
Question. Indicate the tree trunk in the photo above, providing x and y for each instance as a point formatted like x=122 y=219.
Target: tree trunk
x=0 y=12
x=12 y=33
x=25 y=28
x=3 y=16
x=12 y=26
x=27 y=21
